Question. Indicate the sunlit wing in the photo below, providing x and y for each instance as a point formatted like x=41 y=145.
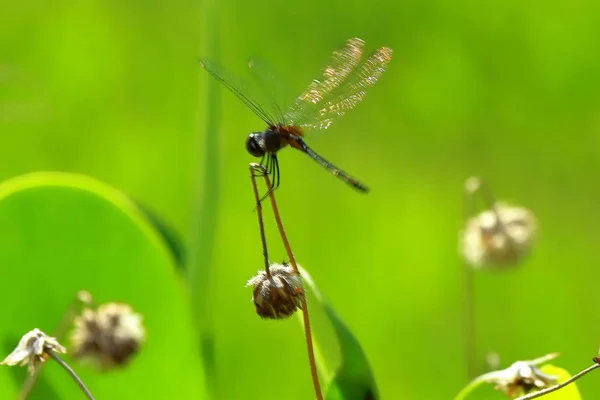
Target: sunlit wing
x=349 y=93
x=244 y=91
x=341 y=65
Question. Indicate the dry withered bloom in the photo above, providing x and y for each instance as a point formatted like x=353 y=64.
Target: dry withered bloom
x=279 y=295
x=32 y=350
x=109 y=335
x=498 y=237
x=522 y=377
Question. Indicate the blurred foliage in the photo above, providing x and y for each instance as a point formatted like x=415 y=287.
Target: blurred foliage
x=352 y=378
x=505 y=90
x=61 y=233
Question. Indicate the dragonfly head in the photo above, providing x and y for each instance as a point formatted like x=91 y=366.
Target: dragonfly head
x=253 y=144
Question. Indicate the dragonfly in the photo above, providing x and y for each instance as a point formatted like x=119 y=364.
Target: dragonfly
x=342 y=86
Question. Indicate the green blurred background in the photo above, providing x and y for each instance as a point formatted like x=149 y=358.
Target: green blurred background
x=501 y=89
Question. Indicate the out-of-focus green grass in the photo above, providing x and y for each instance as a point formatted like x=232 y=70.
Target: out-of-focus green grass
x=502 y=89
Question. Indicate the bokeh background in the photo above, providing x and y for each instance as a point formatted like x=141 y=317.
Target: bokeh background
x=505 y=90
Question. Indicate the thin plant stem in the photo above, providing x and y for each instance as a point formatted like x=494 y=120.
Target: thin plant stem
x=490 y=201
x=554 y=388
x=77 y=380
x=472 y=186
x=464 y=392
x=60 y=330
x=307 y=331
x=257 y=167
x=469 y=332
x=284 y=238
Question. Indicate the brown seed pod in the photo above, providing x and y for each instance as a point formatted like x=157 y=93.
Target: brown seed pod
x=279 y=295
x=110 y=335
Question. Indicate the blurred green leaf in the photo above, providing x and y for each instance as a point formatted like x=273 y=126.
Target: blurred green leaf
x=171 y=238
x=353 y=379
x=60 y=233
x=569 y=392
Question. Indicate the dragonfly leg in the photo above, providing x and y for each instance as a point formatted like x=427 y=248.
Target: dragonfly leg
x=258 y=169
x=273 y=171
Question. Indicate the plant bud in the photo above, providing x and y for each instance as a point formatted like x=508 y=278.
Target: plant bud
x=279 y=295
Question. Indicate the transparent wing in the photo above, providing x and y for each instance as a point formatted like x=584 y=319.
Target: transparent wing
x=352 y=92
x=341 y=65
x=246 y=92
x=346 y=94
x=271 y=85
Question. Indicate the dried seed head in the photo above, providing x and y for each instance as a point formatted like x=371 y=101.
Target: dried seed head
x=522 y=377
x=109 y=336
x=487 y=241
x=32 y=350
x=277 y=296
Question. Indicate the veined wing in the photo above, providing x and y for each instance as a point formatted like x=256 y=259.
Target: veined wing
x=341 y=65
x=347 y=95
x=244 y=91
x=272 y=86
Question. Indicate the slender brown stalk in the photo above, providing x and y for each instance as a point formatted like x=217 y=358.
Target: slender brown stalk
x=263 y=172
x=77 y=380
x=554 y=388
x=61 y=329
x=307 y=330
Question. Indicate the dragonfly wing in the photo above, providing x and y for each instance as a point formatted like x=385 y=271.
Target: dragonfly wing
x=243 y=90
x=271 y=84
x=351 y=92
x=341 y=65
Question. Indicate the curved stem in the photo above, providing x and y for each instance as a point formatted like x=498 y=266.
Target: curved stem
x=77 y=380
x=465 y=391
x=66 y=320
x=554 y=388
x=307 y=331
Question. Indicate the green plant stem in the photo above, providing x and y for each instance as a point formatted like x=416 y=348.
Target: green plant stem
x=206 y=204
x=77 y=380
x=465 y=391
x=554 y=388
x=469 y=333
x=474 y=185
x=307 y=331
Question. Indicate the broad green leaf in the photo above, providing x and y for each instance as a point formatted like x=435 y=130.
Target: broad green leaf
x=171 y=238
x=353 y=379
x=60 y=233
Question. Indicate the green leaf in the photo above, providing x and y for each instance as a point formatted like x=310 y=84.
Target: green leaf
x=569 y=392
x=353 y=379
x=60 y=233
x=170 y=236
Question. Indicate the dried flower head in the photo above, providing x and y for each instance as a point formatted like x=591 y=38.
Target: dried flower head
x=279 y=295
x=498 y=237
x=109 y=336
x=32 y=350
x=522 y=377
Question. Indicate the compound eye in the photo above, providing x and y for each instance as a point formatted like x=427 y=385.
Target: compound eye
x=253 y=146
